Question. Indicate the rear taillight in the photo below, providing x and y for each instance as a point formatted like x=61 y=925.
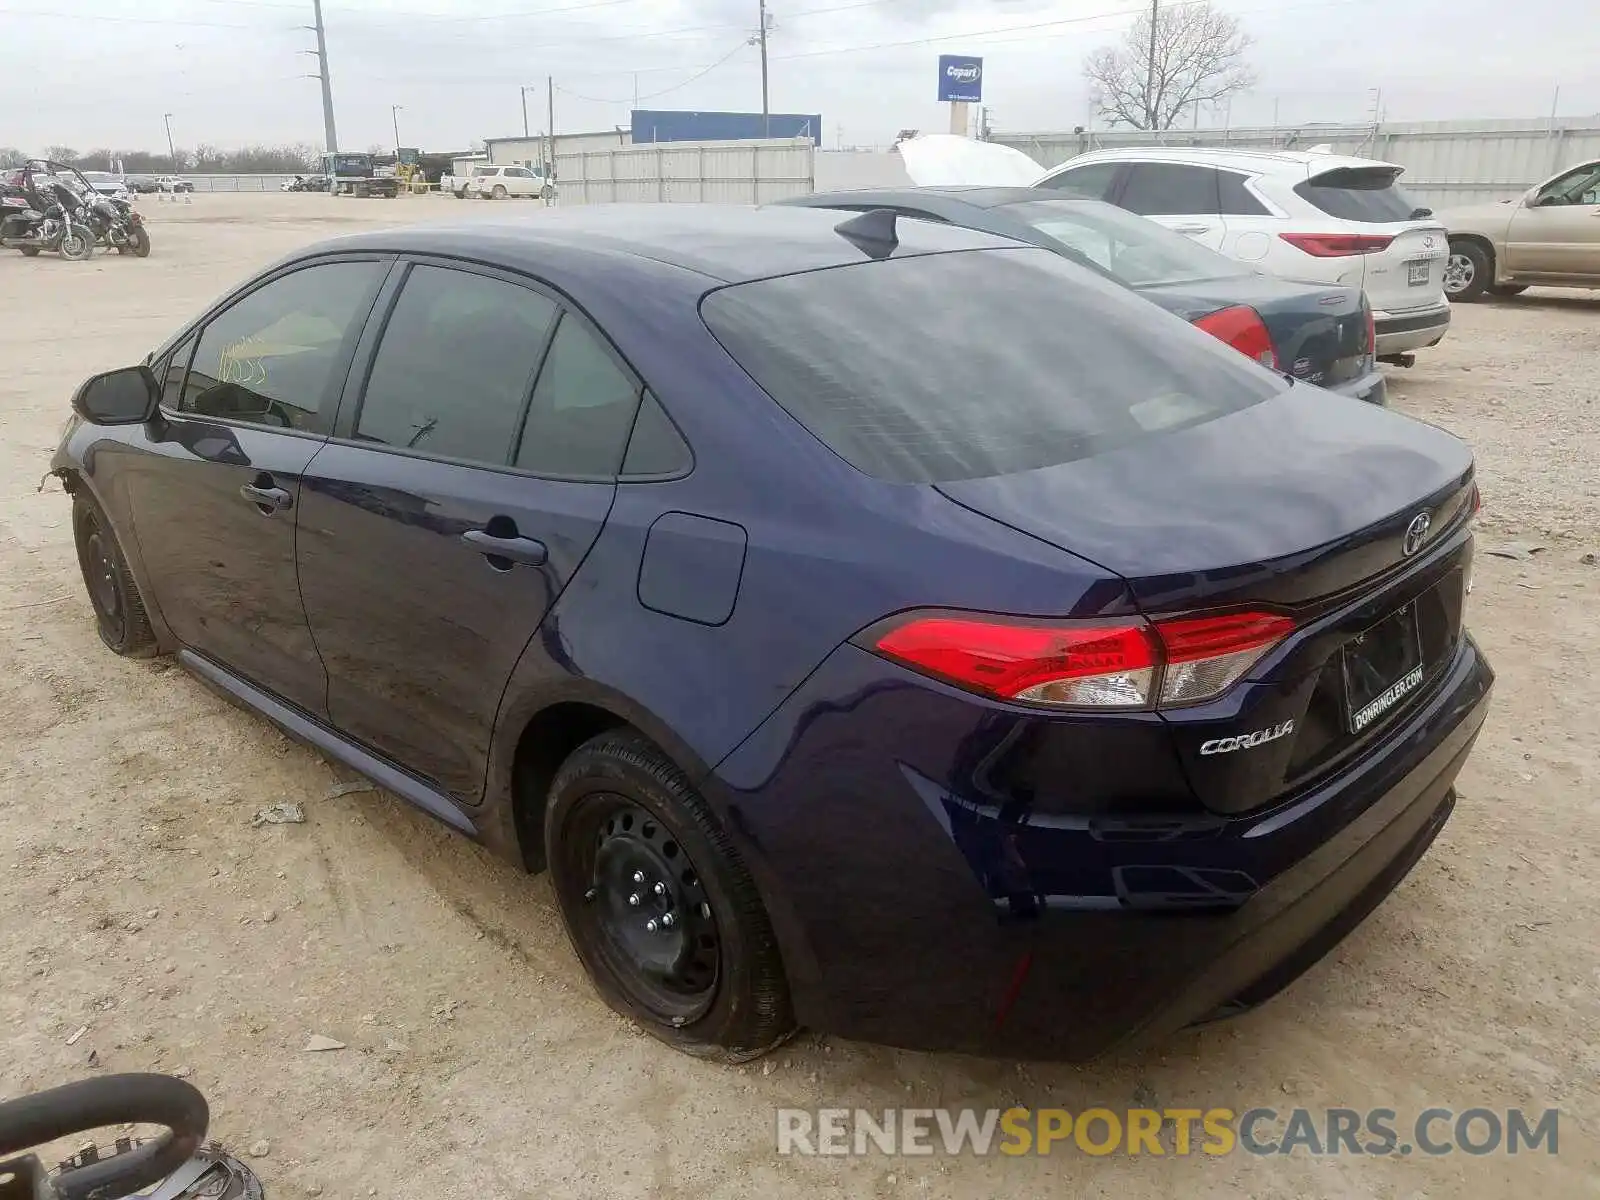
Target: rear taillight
x=1338 y=245
x=1092 y=664
x=1243 y=329
x=1372 y=333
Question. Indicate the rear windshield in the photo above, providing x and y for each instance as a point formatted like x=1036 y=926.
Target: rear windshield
x=970 y=364
x=1138 y=252
x=1367 y=194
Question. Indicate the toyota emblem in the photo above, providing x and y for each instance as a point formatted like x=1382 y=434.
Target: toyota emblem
x=1416 y=534
x=1427 y=243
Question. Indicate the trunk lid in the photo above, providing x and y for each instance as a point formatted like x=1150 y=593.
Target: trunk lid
x=1286 y=502
x=1318 y=330
x=1307 y=504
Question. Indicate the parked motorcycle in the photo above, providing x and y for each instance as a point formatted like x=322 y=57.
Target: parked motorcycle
x=118 y=226
x=50 y=217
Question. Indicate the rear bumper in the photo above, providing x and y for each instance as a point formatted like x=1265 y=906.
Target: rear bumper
x=1373 y=387
x=1398 y=333
x=917 y=917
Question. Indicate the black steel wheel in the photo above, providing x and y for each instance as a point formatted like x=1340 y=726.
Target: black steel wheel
x=648 y=913
x=658 y=904
x=119 y=611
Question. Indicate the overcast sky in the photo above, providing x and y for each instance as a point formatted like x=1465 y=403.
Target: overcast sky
x=92 y=73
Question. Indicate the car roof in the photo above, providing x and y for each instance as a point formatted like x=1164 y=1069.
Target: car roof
x=726 y=243
x=1296 y=163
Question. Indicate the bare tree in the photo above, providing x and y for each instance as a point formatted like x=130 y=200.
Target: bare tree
x=10 y=156
x=1171 y=63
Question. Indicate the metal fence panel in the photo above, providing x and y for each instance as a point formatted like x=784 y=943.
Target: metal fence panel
x=688 y=173
x=1448 y=163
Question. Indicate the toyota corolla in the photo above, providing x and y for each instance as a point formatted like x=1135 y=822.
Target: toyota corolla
x=878 y=626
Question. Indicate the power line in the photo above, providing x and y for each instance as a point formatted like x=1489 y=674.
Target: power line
x=664 y=91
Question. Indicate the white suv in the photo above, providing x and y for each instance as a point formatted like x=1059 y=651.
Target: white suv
x=1295 y=214
x=497 y=183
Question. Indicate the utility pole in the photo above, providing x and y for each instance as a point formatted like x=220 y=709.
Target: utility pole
x=1150 y=69
x=525 y=130
x=394 y=115
x=328 y=130
x=550 y=163
x=766 y=110
x=172 y=153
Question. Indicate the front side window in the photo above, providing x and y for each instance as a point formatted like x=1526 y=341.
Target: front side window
x=1575 y=187
x=172 y=377
x=455 y=365
x=274 y=358
x=970 y=364
x=1170 y=190
x=1092 y=181
x=582 y=410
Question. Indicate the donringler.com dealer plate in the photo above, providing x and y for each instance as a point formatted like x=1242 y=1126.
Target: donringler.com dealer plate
x=1382 y=667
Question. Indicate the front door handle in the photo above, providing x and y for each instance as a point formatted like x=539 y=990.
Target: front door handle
x=508 y=550
x=268 y=499
x=1191 y=229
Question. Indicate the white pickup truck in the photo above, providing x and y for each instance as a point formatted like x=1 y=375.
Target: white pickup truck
x=500 y=183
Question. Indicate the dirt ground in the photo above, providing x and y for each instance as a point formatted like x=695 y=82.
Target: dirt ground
x=139 y=901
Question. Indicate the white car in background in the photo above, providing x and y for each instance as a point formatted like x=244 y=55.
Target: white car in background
x=108 y=184
x=1296 y=214
x=500 y=183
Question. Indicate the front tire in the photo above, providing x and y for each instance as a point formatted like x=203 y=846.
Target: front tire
x=29 y=251
x=1468 y=272
x=75 y=245
x=119 y=613
x=139 y=243
x=659 y=905
x=1508 y=289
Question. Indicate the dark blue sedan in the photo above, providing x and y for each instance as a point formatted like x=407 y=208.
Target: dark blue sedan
x=873 y=625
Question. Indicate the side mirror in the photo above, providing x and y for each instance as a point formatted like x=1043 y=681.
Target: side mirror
x=125 y=397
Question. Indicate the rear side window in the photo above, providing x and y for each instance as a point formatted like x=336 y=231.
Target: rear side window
x=1367 y=194
x=1091 y=181
x=656 y=448
x=582 y=408
x=965 y=365
x=1170 y=189
x=272 y=358
x=1234 y=199
x=455 y=365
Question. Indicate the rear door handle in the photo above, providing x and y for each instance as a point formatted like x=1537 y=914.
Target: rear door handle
x=509 y=549
x=1191 y=229
x=268 y=499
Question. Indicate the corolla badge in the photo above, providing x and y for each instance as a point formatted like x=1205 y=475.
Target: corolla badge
x=1416 y=534
x=1247 y=741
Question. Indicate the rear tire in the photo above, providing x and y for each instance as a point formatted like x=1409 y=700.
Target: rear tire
x=1468 y=272
x=1508 y=289
x=690 y=955
x=29 y=251
x=499 y=192
x=119 y=612
x=139 y=243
